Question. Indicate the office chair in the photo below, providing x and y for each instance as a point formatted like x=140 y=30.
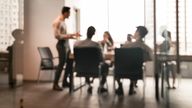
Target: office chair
x=87 y=63
x=47 y=61
x=128 y=63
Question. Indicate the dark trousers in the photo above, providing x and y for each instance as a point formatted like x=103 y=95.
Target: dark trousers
x=63 y=58
x=104 y=73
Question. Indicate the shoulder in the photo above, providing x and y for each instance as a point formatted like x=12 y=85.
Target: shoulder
x=146 y=47
x=56 y=22
x=95 y=43
x=128 y=45
x=77 y=43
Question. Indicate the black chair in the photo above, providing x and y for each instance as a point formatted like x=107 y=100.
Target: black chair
x=47 y=61
x=87 y=63
x=128 y=63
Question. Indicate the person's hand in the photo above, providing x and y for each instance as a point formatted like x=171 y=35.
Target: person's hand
x=105 y=39
x=75 y=36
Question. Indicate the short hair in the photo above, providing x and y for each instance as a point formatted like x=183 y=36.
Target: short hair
x=166 y=33
x=142 y=31
x=65 y=9
x=90 y=32
x=17 y=32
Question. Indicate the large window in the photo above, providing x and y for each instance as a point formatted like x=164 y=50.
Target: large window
x=124 y=17
x=117 y=17
x=94 y=13
x=186 y=20
x=10 y=16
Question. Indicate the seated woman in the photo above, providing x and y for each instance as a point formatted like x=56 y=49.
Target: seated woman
x=107 y=45
x=107 y=42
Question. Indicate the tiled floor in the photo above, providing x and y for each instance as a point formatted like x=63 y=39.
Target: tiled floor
x=42 y=96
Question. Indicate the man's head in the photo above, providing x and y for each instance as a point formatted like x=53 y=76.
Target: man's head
x=18 y=34
x=65 y=12
x=141 y=32
x=166 y=34
x=90 y=32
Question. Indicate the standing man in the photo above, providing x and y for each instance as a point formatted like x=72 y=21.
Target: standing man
x=60 y=33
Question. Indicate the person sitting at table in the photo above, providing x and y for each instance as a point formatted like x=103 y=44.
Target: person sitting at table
x=164 y=48
x=104 y=68
x=139 y=35
x=107 y=45
x=107 y=42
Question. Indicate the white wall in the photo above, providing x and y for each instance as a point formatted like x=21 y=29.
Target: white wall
x=38 y=18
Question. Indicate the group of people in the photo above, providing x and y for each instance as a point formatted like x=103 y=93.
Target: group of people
x=107 y=43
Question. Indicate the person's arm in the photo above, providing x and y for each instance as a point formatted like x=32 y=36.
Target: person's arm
x=109 y=43
x=60 y=36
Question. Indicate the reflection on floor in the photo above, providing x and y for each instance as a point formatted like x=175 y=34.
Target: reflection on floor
x=42 y=96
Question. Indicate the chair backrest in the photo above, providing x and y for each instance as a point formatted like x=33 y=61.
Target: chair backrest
x=87 y=61
x=128 y=63
x=46 y=57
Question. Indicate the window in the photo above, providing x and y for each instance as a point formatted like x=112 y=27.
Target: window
x=117 y=17
x=9 y=20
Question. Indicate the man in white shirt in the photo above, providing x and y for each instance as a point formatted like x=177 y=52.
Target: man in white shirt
x=60 y=33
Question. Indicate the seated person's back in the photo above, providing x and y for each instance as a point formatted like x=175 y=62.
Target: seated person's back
x=140 y=33
x=104 y=68
x=86 y=43
x=147 y=51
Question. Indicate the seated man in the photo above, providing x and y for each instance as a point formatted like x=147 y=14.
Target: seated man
x=104 y=68
x=140 y=33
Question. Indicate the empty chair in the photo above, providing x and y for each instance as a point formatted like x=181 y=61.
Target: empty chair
x=47 y=62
